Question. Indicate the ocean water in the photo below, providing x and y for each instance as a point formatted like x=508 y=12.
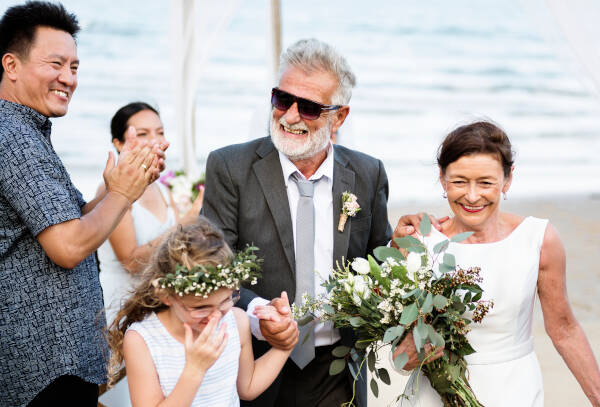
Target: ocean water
x=422 y=67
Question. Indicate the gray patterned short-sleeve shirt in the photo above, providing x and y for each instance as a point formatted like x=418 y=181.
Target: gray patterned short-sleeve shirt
x=51 y=318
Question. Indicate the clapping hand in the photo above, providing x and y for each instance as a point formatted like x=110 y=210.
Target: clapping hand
x=202 y=352
x=277 y=324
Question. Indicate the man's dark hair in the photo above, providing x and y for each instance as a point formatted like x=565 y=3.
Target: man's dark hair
x=18 y=25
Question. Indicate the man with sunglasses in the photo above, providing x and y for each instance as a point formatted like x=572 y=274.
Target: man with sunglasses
x=265 y=192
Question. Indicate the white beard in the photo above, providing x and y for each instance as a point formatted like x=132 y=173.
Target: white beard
x=299 y=149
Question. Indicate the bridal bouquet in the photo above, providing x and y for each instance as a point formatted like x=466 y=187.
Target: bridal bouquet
x=422 y=293
x=183 y=188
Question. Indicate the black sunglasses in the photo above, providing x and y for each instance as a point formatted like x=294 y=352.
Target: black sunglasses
x=307 y=109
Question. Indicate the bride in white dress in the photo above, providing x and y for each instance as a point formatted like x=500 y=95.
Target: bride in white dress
x=517 y=256
x=124 y=255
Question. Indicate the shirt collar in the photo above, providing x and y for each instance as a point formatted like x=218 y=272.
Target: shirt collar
x=324 y=170
x=35 y=118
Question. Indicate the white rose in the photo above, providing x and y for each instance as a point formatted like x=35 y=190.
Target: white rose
x=361 y=266
x=356 y=299
x=360 y=285
x=413 y=262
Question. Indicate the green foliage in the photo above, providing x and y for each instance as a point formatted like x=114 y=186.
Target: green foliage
x=425 y=226
x=374 y=388
x=383 y=252
x=340 y=351
x=337 y=366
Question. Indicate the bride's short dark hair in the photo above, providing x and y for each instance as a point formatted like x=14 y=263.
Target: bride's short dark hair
x=480 y=137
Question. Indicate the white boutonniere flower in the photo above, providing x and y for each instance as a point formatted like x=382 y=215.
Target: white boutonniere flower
x=350 y=207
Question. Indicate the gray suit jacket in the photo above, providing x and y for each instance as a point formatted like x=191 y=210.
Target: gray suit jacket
x=245 y=196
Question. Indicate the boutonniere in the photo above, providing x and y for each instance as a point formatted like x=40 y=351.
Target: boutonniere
x=350 y=207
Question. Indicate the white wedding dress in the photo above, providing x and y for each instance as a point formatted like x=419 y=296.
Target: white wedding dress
x=117 y=282
x=504 y=371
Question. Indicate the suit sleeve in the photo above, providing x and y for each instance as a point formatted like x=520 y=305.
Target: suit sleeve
x=381 y=230
x=221 y=198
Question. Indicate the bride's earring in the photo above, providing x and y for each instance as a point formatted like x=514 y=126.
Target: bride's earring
x=445 y=196
x=504 y=195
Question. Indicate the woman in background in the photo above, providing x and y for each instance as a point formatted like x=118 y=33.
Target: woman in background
x=127 y=251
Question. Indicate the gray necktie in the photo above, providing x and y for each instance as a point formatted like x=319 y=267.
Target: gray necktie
x=304 y=351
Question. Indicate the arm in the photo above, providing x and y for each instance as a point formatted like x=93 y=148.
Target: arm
x=200 y=354
x=69 y=242
x=562 y=327
x=255 y=376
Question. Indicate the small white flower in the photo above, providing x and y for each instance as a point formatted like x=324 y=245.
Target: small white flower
x=361 y=265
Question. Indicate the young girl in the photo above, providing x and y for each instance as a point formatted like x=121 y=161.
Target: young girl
x=183 y=341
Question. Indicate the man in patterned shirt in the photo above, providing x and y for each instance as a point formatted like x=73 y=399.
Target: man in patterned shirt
x=51 y=310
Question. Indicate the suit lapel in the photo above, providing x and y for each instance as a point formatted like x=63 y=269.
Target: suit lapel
x=343 y=180
x=270 y=177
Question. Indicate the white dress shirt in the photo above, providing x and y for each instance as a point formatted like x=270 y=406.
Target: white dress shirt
x=325 y=334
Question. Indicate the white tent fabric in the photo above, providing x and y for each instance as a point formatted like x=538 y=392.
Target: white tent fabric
x=573 y=29
x=578 y=21
x=196 y=29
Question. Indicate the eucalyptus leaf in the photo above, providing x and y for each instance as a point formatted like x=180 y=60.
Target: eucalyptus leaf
x=406 y=242
x=328 y=309
x=383 y=252
x=425 y=226
x=417 y=249
x=374 y=388
x=409 y=314
x=400 y=361
x=427 y=304
x=449 y=260
x=461 y=236
x=421 y=329
x=441 y=246
x=356 y=321
x=436 y=339
x=384 y=376
x=445 y=268
x=371 y=361
x=340 y=351
x=390 y=334
x=416 y=291
x=439 y=302
x=337 y=366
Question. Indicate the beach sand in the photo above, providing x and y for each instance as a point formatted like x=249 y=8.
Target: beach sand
x=577 y=218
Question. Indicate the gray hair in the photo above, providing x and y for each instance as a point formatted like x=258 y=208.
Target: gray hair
x=310 y=55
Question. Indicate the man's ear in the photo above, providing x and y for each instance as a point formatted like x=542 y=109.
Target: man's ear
x=10 y=63
x=340 y=116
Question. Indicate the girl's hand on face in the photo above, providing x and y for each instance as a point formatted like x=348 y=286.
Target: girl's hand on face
x=201 y=353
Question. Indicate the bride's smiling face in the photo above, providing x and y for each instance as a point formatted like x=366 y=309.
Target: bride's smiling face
x=474 y=184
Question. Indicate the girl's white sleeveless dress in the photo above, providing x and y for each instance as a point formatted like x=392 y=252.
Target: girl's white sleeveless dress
x=117 y=283
x=504 y=371
x=219 y=386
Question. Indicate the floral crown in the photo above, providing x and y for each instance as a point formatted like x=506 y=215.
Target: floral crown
x=203 y=279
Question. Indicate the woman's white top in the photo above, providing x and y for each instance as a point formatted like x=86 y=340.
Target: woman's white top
x=218 y=388
x=504 y=371
x=115 y=280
